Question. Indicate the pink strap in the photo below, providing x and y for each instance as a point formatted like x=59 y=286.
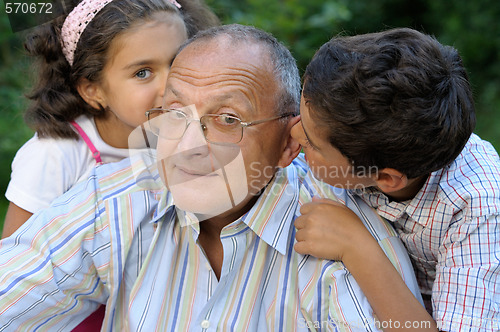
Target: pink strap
x=95 y=153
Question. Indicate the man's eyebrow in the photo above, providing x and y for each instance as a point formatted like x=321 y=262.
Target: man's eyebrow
x=174 y=91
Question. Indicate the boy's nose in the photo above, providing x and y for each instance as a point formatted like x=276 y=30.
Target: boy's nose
x=297 y=131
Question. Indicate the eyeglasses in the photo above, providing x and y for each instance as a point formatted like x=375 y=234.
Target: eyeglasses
x=218 y=129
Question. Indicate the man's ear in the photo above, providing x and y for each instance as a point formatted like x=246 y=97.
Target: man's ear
x=291 y=147
x=92 y=93
x=390 y=180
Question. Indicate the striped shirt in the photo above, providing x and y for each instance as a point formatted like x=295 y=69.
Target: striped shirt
x=452 y=232
x=118 y=239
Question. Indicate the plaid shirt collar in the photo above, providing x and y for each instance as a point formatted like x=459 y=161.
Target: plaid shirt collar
x=393 y=210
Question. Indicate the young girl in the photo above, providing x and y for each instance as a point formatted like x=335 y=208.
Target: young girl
x=101 y=68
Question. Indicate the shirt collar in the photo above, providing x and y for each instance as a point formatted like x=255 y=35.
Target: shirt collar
x=271 y=218
x=429 y=192
x=165 y=205
x=393 y=210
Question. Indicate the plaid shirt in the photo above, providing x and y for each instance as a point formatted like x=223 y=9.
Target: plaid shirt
x=451 y=230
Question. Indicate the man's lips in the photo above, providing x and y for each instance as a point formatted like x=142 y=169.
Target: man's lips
x=195 y=172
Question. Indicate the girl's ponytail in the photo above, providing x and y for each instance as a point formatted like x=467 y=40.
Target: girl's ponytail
x=55 y=101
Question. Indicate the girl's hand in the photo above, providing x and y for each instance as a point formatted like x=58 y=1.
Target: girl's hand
x=329 y=230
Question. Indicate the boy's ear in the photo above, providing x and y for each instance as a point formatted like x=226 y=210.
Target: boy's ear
x=391 y=180
x=92 y=93
x=291 y=147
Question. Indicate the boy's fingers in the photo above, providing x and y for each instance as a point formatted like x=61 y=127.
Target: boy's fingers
x=302 y=248
x=306 y=208
x=300 y=222
x=299 y=236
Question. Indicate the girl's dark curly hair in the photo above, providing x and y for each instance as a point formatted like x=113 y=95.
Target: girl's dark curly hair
x=55 y=100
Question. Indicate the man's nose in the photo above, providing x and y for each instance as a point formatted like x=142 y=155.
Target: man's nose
x=193 y=141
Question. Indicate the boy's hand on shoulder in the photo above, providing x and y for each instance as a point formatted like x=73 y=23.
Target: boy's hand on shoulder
x=330 y=230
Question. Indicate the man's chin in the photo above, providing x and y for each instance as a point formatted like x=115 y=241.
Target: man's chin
x=203 y=204
x=207 y=195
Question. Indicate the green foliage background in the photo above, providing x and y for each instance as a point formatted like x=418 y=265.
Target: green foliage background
x=473 y=27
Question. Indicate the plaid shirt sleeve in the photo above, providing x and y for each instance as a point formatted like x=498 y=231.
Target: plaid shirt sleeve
x=451 y=230
x=466 y=291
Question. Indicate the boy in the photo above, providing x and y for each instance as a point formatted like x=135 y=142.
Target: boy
x=393 y=116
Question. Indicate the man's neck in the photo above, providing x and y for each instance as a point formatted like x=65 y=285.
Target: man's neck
x=210 y=230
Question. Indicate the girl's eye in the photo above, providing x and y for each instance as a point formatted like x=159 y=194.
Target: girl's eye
x=143 y=74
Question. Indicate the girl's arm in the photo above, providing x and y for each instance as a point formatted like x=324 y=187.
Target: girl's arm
x=14 y=218
x=330 y=230
x=42 y=170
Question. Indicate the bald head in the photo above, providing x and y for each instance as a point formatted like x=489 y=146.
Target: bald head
x=266 y=50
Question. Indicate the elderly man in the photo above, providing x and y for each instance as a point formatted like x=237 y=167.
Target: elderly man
x=214 y=251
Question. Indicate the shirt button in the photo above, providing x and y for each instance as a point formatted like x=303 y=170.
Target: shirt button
x=205 y=324
x=207 y=265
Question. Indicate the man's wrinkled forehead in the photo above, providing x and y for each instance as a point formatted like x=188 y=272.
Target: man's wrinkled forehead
x=222 y=52
x=221 y=64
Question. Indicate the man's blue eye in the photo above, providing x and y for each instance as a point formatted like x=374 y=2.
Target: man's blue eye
x=226 y=119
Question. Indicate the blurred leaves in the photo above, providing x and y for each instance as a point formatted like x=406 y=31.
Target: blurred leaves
x=15 y=81
x=300 y=25
x=474 y=29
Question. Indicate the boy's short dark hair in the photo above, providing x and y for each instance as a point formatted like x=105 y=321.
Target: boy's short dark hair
x=395 y=99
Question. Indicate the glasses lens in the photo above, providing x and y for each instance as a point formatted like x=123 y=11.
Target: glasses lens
x=222 y=128
x=169 y=124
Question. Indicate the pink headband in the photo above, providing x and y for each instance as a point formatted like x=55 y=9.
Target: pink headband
x=76 y=22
